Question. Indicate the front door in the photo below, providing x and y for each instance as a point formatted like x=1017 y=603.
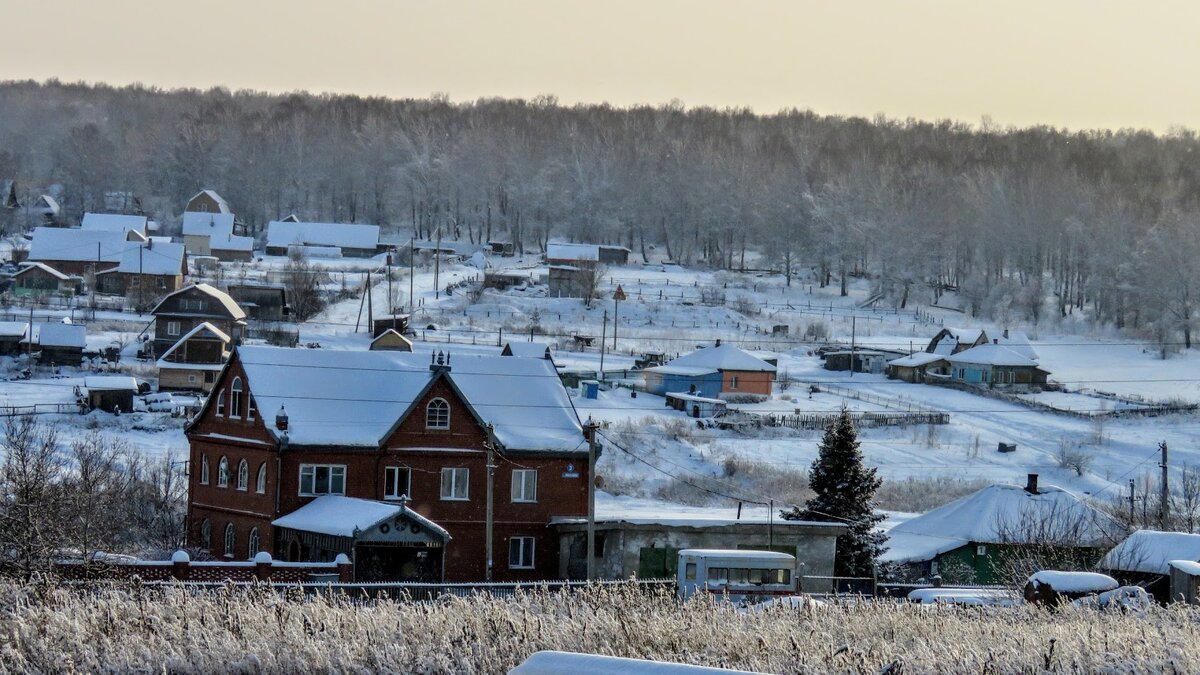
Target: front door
x=377 y=563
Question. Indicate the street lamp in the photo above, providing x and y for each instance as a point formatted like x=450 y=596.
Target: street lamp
x=618 y=296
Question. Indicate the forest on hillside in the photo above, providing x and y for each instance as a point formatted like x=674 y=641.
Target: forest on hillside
x=1024 y=224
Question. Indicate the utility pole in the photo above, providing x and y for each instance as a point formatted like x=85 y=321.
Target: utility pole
x=437 y=264
x=370 y=305
x=391 y=308
x=770 y=524
x=603 y=338
x=853 y=322
x=1132 y=501
x=591 y=488
x=618 y=296
x=411 y=270
x=1164 y=509
x=491 y=471
x=30 y=336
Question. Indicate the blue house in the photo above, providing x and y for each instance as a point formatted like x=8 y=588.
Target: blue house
x=995 y=365
x=711 y=372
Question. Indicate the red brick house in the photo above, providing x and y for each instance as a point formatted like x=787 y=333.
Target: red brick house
x=382 y=455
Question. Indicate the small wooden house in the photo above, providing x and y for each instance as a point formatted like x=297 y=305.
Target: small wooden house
x=146 y=270
x=12 y=333
x=1185 y=581
x=995 y=365
x=859 y=360
x=193 y=363
x=207 y=201
x=390 y=340
x=110 y=393
x=178 y=313
x=954 y=340
x=58 y=343
x=712 y=372
x=262 y=301
x=919 y=367
x=696 y=406
x=36 y=280
x=1145 y=558
x=396 y=322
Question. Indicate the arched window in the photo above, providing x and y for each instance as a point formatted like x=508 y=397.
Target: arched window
x=205 y=534
x=243 y=475
x=252 y=545
x=221 y=403
x=230 y=539
x=235 y=398
x=437 y=414
x=261 y=484
x=223 y=472
x=204 y=469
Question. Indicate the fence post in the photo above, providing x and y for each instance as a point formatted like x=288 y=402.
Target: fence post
x=345 y=568
x=262 y=565
x=181 y=564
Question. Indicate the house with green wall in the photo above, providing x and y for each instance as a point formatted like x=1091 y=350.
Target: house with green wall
x=980 y=537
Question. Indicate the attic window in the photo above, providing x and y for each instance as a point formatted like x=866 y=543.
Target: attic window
x=252 y=411
x=235 y=398
x=221 y=403
x=437 y=414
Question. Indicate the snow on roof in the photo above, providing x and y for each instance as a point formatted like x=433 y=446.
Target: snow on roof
x=56 y=243
x=991 y=354
x=341 y=235
x=953 y=337
x=737 y=554
x=722 y=358
x=692 y=397
x=1189 y=567
x=221 y=203
x=580 y=252
x=345 y=398
x=28 y=266
x=49 y=205
x=210 y=224
x=235 y=311
x=113 y=222
x=110 y=383
x=641 y=511
x=157 y=259
x=13 y=328
x=530 y=350
x=231 y=242
x=1018 y=341
x=341 y=516
x=682 y=370
x=1151 y=551
x=1074 y=582
x=916 y=360
x=60 y=335
x=1000 y=514
x=464 y=248
x=556 y=662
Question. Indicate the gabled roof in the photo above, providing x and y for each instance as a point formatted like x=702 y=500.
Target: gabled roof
x=235 y=311
x=991 y=354
x=164 y=259
x=59 y=335
x=13 y=328
x=1000 y=514
x=48 y=205
x=916 y=360
x=721 y=358
x=231 y=242
x=355 y=399
x=393 y=336
x=529 y=350
x=342 y=516
x=1151 y=551
x=221 y=203
x=1018 y=341
x=341 y=235
x=580 y=252
x=113 y=222
x=30 y=266
x=211 y=224
x=948 y=339
x=202 y=327
x=56 y=243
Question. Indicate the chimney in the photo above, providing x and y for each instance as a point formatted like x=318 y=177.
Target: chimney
x=995 y=341
x=1031 y=484
x=439 y=361
x=281 y=419
x=1005 y=333
x=718 y=342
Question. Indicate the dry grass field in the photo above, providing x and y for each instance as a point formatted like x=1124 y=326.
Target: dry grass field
x=44 y=628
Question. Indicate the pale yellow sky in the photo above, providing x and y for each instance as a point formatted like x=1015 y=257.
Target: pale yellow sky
x=1076 y=64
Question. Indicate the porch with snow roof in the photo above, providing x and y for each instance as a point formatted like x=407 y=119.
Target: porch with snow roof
x=387 y=541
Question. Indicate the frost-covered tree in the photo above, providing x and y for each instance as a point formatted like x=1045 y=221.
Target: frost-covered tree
x=844 y=489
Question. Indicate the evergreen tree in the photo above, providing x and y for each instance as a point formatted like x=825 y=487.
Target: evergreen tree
x=844 y=489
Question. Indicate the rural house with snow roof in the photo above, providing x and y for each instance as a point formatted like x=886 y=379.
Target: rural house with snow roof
x=967 y=356
x=383 y=456
x=969 y=539
x=82 y=252
x=210 y=228
x=322 y=239
x=720 y=371
x=183 y=310
x=1145 y=559
x=146 y=271
x=38 y=280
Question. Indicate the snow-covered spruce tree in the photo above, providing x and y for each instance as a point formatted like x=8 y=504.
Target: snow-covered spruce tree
x=844 y=490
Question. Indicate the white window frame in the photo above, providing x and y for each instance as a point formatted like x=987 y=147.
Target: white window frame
x=235 y=399
x=243 y=476
x=230 y=539
x=437 y=424
x=223 y=472
x=335 y=471
x=204 y=469
x=390 y=489
x=523 y=546
x=191 y=379
x=450 y=480
x=733 y=382
x=251 y=408
x=260 y=482
x=522 y=491
x=173 y=328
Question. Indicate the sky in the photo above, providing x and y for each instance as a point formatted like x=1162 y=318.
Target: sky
x=1067 y=63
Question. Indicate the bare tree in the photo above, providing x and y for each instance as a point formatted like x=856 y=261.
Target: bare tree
x=33 y=503
x=98 y=494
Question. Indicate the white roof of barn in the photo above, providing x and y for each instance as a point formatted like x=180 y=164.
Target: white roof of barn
x=113 y=222
x=351 y=398
x=580 y=252
x=341 y=235
x=27 y=266
x=165 y=259
x=56 y=243
x=916 y=360
x=221 y=203
x=13 y=328
x=714 y=359
x=231 y=242
x=210 y=224
x=341 y=516
x=231 y=306
x=1151 y=551
x=110 y=383
x=1000 y=514
x=530 y=350
x=60 y=335
x=991 y=355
